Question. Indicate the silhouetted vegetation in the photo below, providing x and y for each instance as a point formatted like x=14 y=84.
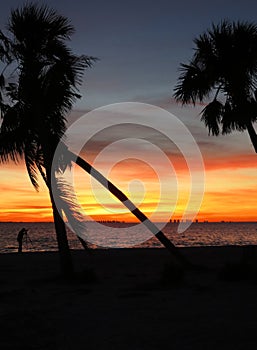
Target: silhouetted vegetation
x=39 y=85
x=223 y=74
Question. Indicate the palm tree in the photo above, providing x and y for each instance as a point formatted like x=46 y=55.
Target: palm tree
x=40 y=90
x=34 y=107
x=223 y=72
x=175 y=253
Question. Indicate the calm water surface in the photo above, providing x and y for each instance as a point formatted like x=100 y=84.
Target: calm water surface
x=43 y=238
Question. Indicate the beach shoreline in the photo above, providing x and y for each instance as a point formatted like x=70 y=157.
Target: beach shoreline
x=118 y=301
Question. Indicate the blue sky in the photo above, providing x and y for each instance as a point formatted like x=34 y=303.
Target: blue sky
x=139 y=43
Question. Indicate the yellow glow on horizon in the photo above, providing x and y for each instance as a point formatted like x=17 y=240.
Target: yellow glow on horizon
x=230 y=194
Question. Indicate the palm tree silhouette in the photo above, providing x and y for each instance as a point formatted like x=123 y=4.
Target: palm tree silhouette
x=41 y=88
x=223 y=69
x=34 y=106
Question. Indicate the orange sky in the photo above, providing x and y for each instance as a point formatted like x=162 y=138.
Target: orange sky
x=230 y=179
x=230 y=191
x=144 y=68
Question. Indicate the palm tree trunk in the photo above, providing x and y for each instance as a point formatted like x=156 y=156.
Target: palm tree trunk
x=133 y=209
x=66 y=264
x=253 y=135
x=249 y=252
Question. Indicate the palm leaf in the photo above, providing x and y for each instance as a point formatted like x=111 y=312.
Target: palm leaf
x=32 y=169
x=224 y=63
x=211 y=116
x=66 y=200
x=11 y=147
x=194 y=84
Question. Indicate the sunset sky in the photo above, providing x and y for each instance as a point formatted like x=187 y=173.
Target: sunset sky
x=140 y=45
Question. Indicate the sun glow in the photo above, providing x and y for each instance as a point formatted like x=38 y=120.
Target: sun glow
x=230 y=193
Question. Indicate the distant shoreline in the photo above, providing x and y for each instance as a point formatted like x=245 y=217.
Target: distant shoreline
x=122 y=235
x=134 y=222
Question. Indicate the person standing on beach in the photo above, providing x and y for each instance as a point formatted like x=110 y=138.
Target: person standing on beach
x=22 y=232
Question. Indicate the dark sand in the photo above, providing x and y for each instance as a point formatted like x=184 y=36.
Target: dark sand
x=126 y=306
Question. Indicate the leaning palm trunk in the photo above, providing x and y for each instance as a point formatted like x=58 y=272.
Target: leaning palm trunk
x=133 y=209
x=253 y=135
x=250 y=251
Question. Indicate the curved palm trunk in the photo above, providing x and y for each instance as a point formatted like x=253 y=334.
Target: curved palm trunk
x=249 y=252
x=66 y=264
x=133 y=209
x=253 y=135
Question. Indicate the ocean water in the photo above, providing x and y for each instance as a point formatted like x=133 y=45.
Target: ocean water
x=42 y=236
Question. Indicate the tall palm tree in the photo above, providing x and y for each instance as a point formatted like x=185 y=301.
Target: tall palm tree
x=37 y=95
x=223 y=74
x=34 y=107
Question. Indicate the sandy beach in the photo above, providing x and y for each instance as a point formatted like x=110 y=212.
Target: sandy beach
x=120 y=300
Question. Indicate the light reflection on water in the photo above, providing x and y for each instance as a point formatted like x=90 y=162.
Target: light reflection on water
x=43 y=238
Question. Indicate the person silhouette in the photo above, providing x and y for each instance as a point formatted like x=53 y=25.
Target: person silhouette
x=20 y=236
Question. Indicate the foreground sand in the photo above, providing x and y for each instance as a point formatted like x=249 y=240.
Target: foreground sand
x=126 y=306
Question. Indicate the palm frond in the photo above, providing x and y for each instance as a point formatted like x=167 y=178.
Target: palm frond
x=194 y=84
x=62 y=159
x=66 y=200
x=211 y=116
x=12 y=138
x=38 y=22
x=11 y=147
x=229 y=118
x=224 y=63
x=41 y=165
x=31 y=165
